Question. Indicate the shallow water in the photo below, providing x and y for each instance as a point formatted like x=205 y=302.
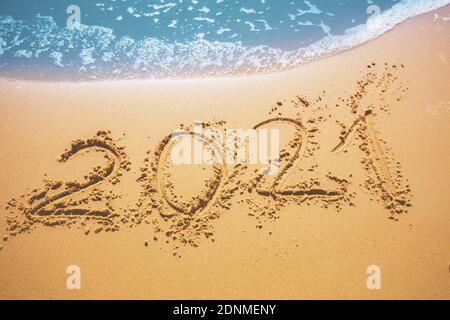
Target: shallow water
x=79 y=40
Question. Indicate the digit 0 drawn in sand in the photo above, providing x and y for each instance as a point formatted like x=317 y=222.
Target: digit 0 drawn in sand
x=57 y=204
x=199 y=204
x=185 y=221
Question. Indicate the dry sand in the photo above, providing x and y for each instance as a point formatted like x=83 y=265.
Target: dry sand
x=364 y=180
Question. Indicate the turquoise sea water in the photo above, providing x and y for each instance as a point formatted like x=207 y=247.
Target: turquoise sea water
x=121 y=39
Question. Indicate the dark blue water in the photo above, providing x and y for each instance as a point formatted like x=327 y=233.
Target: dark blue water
x=77 y=40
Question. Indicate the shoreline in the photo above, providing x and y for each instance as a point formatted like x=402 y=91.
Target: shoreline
x=237 y=75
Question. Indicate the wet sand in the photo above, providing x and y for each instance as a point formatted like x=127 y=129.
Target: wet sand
x=363 y=181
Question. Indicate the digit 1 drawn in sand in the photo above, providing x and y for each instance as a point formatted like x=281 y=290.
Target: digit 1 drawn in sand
x=379 y=155
x=55 y=204
x=364 y=123
x=390 y=189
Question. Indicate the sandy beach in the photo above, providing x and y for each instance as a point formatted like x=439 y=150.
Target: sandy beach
x=364 y=180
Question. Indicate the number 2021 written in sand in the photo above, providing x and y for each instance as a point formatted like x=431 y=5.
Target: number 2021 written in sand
x=96 y=205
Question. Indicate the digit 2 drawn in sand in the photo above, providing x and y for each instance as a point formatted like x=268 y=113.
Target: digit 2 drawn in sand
x=55 y=204
x=303 y=189
x=299 y=143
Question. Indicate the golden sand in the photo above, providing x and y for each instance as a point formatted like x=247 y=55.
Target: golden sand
x=363 y=180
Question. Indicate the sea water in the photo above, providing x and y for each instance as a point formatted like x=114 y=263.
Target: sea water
x=123 y=39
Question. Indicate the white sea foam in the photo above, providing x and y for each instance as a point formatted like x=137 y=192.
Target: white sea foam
x=374 y=27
